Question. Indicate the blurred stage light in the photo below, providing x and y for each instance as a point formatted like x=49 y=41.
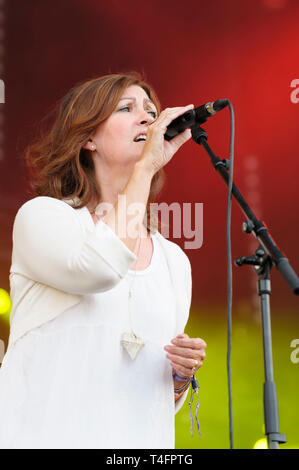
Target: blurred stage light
x=261 y=444
x=5 y=302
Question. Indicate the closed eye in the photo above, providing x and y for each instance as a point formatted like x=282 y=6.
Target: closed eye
x=128 y=108
x=122 y=109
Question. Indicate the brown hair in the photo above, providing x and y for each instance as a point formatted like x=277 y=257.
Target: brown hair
x=58 y=165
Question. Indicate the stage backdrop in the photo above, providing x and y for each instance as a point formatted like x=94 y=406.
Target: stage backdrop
x=191 y=52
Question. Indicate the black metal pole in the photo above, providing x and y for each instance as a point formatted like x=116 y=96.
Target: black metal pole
x=256 y=226
x=262 y=264
x=270 y=397
x=262 y=261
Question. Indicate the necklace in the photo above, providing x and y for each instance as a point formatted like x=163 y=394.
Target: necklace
x=130 y=341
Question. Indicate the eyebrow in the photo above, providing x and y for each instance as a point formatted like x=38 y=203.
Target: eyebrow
x=145 y=100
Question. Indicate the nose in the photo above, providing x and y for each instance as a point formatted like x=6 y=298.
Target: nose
x=145 y=118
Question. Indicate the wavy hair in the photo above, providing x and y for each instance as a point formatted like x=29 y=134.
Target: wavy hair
x=58 y=164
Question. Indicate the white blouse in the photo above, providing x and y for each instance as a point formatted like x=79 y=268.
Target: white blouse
x=59 y=256
x=70 y=384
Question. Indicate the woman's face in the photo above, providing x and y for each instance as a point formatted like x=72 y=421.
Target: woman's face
x=114 y=138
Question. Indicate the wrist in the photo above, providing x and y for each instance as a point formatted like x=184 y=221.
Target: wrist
x=180 y=383
x=143 y=170
x=179 y=379
x=181 y=390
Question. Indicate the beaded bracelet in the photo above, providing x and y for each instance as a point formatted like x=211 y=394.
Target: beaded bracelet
x=179 y=395
x=183 y=387
x=179 y=392
x=180 y=379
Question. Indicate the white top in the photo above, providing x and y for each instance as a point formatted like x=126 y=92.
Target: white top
x=75 y=386
x=59 y=255
x=65 y=380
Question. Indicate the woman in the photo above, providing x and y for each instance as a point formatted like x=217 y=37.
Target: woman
x=93 y=344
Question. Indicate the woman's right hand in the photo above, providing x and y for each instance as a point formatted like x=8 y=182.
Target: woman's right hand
x=157 y=151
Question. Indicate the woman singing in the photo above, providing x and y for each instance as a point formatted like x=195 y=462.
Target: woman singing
x=97 y=357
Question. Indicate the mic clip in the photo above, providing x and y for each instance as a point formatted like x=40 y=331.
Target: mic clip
x=226 y=162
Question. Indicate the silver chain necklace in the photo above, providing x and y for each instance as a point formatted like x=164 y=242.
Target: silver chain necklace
x=130 y=341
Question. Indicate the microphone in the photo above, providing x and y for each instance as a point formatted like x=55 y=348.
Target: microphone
x=194 y=117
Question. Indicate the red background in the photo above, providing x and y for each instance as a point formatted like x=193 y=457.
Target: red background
x=191 y=52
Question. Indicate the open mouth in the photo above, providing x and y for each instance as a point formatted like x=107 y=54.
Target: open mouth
x=140 y=138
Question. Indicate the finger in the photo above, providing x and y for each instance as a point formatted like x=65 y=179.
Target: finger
x=169 y=114
x=181 y=370
x=185 y=352
x=193 y=343
x=182 y=335
x=177 y=109
x=192 y=356
x=185 y=362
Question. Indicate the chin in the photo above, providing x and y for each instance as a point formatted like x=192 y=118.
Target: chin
x=130 y=160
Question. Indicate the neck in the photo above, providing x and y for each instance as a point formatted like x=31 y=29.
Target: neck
x=111 y=182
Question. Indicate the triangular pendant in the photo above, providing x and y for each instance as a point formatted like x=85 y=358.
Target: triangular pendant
x=131 y=343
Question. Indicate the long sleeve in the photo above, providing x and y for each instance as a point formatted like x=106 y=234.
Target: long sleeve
x=52 y=247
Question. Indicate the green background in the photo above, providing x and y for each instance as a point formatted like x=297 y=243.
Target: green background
x=247 y=368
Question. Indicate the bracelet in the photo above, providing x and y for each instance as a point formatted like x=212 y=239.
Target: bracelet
x=178 y=378
x=179 y=391
x=183 y=388
x=178 y=395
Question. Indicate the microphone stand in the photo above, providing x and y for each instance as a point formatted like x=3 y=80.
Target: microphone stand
x=263 y=259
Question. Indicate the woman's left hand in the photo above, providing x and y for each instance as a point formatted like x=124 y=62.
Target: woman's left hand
x=186 y=354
